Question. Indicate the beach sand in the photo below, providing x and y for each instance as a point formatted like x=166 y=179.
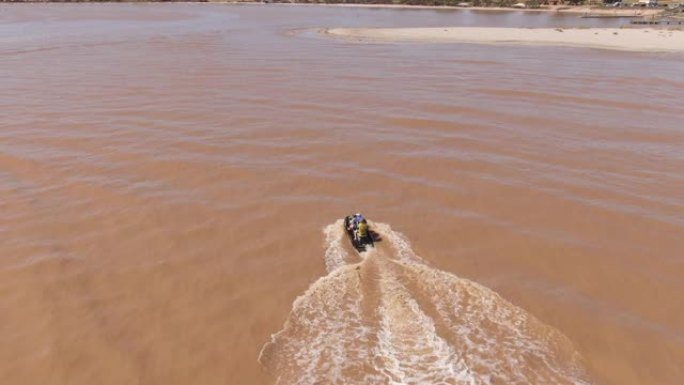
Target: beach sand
x=604 y=38
x=564 y=9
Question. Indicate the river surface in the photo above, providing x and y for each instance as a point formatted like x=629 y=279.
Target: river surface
x=173 y=178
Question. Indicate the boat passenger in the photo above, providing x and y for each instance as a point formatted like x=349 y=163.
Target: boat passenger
x=362 y=233
x=350 y=223
x=357 y=219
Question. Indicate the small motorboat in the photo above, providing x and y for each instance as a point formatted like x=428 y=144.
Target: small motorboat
x=359 y=241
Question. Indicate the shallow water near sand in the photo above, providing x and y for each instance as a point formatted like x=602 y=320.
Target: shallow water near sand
x=172 y=178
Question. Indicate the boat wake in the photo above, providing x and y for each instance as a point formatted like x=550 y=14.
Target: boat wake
x=390 y=318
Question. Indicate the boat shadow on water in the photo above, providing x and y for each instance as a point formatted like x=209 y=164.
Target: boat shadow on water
x=374 y=236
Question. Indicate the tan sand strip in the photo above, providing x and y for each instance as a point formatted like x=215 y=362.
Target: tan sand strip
x=605 y=38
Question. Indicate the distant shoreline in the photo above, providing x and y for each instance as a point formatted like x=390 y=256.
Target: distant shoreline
x=562 y=9
x=579 y=10
x=642 y=40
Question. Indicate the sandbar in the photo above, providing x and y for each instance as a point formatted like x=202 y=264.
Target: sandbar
x=625 y=39
x=560 y=9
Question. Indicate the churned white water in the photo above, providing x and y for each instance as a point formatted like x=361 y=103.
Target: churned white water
x=393 y=319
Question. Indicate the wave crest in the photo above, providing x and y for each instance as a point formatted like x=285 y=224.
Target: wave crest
x=393 y=319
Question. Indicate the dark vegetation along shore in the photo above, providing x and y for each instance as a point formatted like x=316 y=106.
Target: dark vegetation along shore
x=552 y=5
x=485 y=3
x=454 y=3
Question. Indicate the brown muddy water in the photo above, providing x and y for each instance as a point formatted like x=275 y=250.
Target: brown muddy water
x=172 y=179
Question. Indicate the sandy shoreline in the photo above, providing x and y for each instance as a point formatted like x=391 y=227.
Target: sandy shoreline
x=605 y=38
x=572 y=10
x=561 y=9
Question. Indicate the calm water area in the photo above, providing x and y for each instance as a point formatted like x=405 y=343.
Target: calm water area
x=173 y=178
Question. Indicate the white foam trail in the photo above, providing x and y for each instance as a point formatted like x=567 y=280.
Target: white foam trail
x=498 y=341
x=399 y=243
x=393 y=319
x=335 y=255
x=319 y=340
x=409 y=349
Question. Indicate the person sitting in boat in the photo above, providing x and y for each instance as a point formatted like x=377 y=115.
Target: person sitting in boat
x=350 y=223
x=356 y=221
x=362 y=231
x=358 y=218
x=353 y=222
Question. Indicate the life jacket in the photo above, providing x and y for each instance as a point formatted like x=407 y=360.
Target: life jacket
x=363 y=229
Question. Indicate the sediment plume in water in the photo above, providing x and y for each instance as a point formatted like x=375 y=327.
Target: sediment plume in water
x=386 y=316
